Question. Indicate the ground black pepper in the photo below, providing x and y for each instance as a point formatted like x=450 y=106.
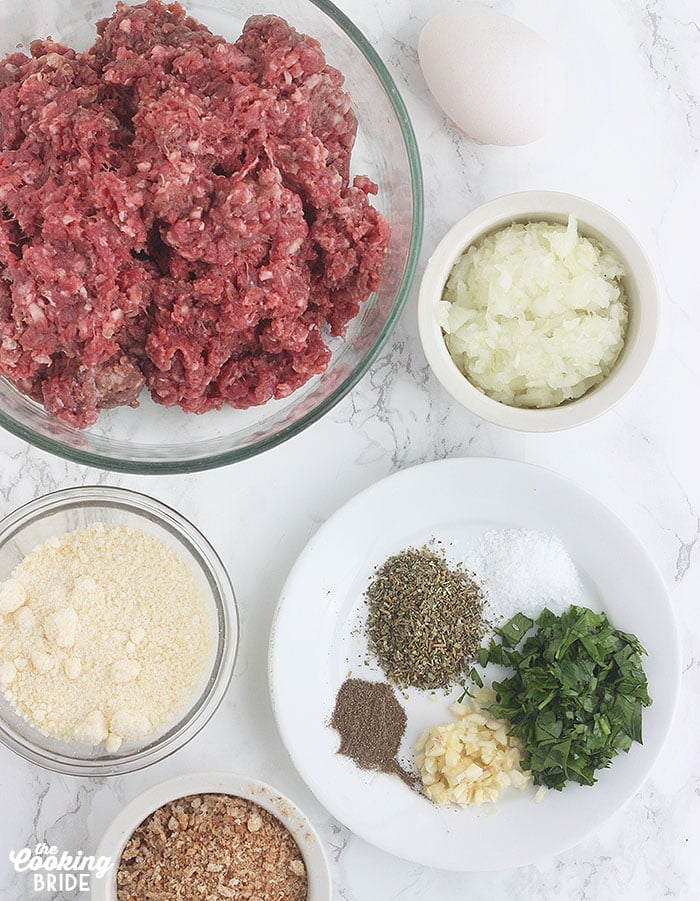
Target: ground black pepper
x=425 y=621
x=371 y=724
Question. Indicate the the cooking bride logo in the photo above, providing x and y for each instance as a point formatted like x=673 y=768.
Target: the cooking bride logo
x=54 y=871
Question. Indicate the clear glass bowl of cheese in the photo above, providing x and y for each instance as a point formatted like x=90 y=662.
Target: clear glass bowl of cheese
x=61 y=663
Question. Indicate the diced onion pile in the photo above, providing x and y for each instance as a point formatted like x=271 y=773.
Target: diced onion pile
x=535 y=314
x=470 y=760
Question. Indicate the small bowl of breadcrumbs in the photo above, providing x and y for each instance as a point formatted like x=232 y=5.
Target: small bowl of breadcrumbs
x=212 y=835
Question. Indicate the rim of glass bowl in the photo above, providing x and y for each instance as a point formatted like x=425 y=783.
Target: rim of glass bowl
x=224 y=597
x=164 y=467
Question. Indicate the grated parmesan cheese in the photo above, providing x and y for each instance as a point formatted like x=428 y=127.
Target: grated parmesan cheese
x=104 y=636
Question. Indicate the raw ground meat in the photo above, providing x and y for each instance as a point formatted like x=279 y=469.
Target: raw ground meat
x=176 y=211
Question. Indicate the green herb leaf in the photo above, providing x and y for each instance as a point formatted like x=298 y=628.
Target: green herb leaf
x=476 y=678
x=515 y=629
x=576 y=694
x=464 y=693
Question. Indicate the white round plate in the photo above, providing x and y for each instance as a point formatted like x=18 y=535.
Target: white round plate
x=317 y=640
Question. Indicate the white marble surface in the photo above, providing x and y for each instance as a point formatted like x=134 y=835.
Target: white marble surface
x=630 y=140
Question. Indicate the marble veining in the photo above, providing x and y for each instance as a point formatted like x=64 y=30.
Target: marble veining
x=628 y=139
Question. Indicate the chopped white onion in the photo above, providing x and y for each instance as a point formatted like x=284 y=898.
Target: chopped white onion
x=535 y=314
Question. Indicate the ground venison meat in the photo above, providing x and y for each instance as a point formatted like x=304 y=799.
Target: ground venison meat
x=176 y=211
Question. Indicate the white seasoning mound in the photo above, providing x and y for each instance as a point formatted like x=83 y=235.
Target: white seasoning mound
x=535 y=314
x=105 y=636
x=523 y=571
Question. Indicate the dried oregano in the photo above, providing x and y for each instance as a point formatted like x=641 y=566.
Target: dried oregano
x=425 y=622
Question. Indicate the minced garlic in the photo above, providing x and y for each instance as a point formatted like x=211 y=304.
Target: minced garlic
x=468 y=761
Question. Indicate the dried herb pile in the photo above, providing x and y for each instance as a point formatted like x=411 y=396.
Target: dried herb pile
x=425 y=620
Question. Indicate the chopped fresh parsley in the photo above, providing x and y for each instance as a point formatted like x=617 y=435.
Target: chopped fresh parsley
x=576 y=695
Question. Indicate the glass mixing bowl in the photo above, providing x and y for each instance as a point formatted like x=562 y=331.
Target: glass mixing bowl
x=75 y=508
x=156 y=439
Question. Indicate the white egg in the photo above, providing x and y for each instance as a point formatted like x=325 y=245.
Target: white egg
x=497 y=80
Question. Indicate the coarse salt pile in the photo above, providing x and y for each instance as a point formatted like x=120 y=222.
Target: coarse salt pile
x=104 y=636
x=523 y=571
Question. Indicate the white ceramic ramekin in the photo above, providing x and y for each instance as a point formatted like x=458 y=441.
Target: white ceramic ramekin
x=122 y=827
x=642 y=298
